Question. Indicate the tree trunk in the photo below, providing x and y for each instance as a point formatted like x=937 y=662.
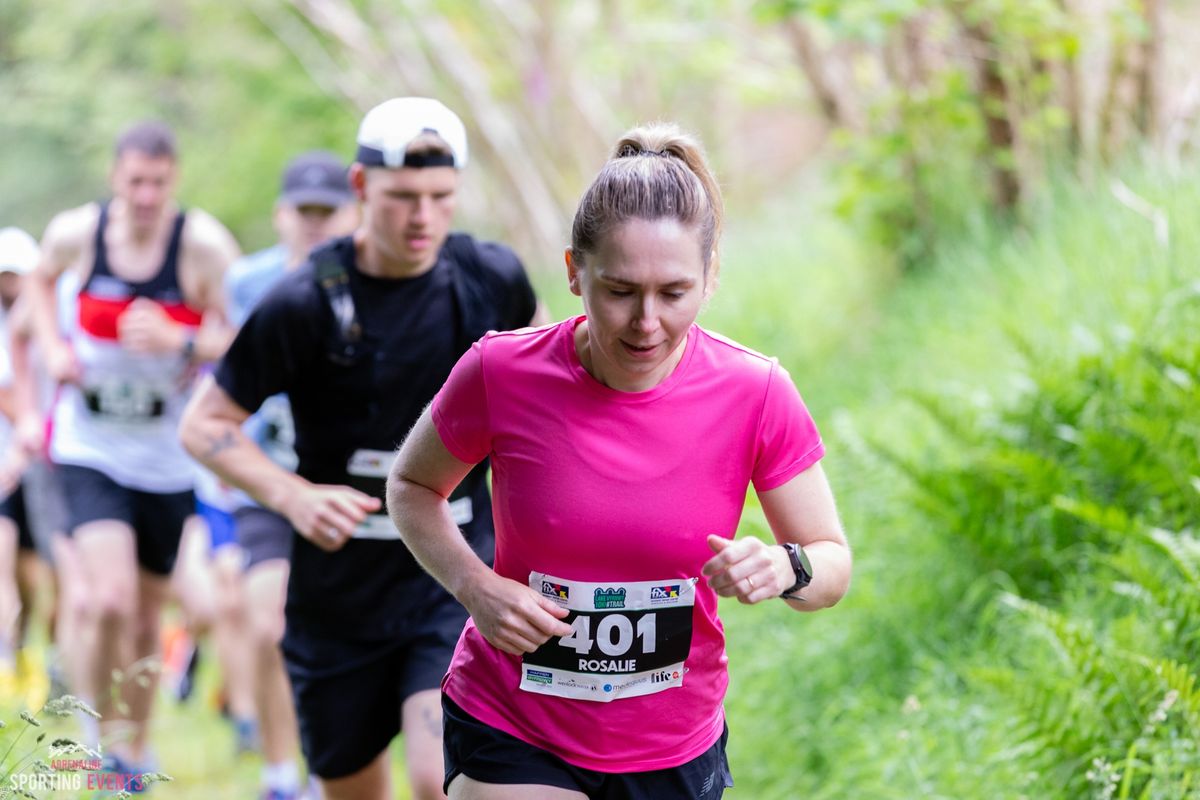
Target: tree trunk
x=1109 y=134
x=810 y=60
x=1150 y=68
x=1072 y=95
x=996 y=109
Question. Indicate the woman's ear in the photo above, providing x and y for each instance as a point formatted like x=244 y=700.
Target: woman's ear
x=572 y=271
x=710 y=276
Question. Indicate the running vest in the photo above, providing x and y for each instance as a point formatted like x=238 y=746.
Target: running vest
x=123 y=417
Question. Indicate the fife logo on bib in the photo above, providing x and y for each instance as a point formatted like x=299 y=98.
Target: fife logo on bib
x=626 y=640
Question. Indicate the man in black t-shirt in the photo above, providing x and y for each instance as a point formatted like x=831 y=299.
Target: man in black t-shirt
x=360 y=339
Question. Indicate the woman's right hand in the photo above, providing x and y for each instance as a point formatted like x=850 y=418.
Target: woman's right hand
x=513 y=617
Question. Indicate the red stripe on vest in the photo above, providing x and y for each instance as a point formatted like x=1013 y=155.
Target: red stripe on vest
x=99 y=316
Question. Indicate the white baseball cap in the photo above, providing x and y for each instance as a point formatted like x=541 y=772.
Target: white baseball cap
x=390 y=127
x=18 y=251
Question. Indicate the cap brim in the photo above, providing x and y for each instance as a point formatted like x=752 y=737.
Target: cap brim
x=316 y=197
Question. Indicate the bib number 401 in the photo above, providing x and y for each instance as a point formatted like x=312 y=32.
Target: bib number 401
x=614 y=635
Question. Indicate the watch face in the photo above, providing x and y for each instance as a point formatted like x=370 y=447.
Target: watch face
x=800 y=565
x=804 y=562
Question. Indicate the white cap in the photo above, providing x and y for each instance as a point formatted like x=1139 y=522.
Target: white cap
x=18 y=251
x=390 y=127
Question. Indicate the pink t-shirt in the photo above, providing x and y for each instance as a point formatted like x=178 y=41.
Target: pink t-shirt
x=606 y=487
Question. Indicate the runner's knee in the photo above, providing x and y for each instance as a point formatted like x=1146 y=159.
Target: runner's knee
x=266 y=628
x=111 y=604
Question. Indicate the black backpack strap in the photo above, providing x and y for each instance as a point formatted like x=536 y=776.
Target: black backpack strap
x=476 y=310
x=334 y=282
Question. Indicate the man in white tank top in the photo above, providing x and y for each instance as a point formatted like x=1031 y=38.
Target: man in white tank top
x=149 y=309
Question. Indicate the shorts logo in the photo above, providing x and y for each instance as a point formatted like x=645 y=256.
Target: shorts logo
x=663 y=594
x=538 y=676
x=556 y=590
x=610 y=598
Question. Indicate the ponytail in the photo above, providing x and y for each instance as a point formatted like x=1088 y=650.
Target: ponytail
x=655 y=172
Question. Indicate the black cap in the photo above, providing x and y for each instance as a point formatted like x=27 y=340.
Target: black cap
x=316 y=178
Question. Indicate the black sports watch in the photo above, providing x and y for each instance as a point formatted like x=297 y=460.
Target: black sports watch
x=801 y=566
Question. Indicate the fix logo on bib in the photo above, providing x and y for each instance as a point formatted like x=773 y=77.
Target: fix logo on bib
x=627 y=638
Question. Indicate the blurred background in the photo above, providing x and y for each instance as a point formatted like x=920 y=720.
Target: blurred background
x=968 y=228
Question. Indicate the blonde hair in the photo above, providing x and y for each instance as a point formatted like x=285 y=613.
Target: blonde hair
x=656 y=171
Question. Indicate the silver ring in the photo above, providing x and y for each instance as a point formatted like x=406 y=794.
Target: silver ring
x=750 y=581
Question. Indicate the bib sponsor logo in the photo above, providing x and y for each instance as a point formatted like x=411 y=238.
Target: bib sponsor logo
x=556 y=590
x=610 y=598
x=664 y=594
x=664 y=676
x=539 y=676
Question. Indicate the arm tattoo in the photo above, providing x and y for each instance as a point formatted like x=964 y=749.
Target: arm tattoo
x=219 y=444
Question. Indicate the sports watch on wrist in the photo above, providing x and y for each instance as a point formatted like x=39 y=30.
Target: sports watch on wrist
x=801 y=566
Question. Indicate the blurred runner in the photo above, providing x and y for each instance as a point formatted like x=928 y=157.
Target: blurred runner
x=315 y=204
x=22 y=571
x=149 y=310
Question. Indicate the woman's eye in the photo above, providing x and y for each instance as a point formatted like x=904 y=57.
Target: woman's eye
x=674 y=295
x=620 y=292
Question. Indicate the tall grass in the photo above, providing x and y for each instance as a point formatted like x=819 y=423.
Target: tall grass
x=1015 y=456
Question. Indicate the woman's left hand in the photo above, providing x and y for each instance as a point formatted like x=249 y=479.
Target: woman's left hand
x=748 y=569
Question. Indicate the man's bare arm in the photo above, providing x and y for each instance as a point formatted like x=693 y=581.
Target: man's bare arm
x=211 y=430
x=211 y=250
x=66 y=239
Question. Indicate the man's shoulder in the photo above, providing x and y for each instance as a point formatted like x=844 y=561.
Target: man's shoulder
x=72 y=227
x=291 y=293
x=205 y=235
x=491 y=258
x=262 y=265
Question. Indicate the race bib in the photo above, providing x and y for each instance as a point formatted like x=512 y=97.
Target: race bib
x=370 y=463
x=125 y=401
x=380 y=526
x=627 y=639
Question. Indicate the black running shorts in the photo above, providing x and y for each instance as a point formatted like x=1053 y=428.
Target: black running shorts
x=349 y=715
x=488 y=755
x=13 y=507
x=157 y=519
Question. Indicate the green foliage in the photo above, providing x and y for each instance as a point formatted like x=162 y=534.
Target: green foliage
x=914 y=177
x=1072 y=484
x=76 y=75
x=920 y=168
x=1015 y=458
